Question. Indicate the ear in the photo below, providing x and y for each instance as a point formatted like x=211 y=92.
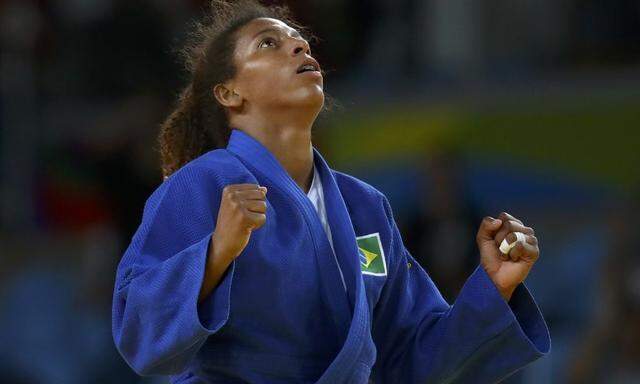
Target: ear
x=226 y=96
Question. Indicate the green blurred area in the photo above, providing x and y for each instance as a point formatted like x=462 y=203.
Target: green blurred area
x=594 y=141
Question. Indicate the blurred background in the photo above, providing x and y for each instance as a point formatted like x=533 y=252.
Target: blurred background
x=454 y=109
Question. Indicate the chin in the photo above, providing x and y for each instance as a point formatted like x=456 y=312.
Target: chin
x=305 y=99
x=317 y=98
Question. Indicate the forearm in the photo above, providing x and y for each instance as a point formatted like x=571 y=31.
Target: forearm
x=216 y=265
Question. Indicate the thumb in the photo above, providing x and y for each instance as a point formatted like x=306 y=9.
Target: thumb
x=488 y=229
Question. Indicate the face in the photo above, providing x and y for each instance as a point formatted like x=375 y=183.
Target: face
x=268 y=56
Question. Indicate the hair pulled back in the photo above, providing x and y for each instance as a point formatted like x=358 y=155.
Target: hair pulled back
x=198 y=122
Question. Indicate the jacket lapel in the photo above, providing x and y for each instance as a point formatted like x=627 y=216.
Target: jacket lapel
x=358 y=341
x=260 y=161
x=344 y=237
x=350 y=311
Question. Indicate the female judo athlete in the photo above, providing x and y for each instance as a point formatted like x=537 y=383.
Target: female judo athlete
x=256 y=262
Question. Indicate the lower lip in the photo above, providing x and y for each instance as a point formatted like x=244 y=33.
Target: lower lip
x=311 y=73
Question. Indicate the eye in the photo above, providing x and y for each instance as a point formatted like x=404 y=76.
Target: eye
x=268 y=39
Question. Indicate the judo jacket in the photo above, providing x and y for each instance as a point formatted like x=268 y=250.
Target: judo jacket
x=280 y=313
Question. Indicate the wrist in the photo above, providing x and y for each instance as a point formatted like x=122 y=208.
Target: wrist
x=218 y=256
x=506 y=293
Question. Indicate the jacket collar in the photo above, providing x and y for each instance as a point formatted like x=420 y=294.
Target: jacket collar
x=351 y=311
x=256 y=154
x=344 y=239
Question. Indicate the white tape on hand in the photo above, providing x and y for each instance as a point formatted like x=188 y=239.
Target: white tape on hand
x=505 y=247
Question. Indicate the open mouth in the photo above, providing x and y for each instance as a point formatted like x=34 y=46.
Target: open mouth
x=308 y=66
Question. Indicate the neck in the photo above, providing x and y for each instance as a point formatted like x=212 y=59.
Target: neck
x=289 y=142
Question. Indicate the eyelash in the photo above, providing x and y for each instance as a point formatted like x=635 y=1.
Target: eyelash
x=263 y=40
x=268 y=38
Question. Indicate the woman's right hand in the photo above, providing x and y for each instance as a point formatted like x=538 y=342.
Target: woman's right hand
x=243 y=208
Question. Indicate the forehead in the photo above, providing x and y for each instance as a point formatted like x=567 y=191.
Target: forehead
x=249 y=31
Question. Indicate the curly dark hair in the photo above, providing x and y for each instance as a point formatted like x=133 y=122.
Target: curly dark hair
x=199 y=123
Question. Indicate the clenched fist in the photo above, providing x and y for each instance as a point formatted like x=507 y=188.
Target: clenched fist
x=243 y=208
x=506 y=271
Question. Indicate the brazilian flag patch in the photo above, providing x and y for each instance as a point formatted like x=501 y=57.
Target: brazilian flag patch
x=372 y=260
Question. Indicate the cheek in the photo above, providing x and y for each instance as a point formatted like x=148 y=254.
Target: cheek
x=273 y=84
x=263 y=80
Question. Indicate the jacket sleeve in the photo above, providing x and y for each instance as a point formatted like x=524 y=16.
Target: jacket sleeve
x=479 y=339
x=157 y=323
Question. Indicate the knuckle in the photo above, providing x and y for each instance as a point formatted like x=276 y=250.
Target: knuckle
x=257 y=219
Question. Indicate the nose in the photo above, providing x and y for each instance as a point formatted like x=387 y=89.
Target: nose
x=300 y=45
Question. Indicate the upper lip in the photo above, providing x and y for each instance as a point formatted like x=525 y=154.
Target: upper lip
x=309 y=61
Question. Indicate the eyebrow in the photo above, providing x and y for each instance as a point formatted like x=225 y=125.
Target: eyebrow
x=271 y=29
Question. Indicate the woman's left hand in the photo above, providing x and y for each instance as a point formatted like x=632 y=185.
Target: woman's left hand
x=506 y=271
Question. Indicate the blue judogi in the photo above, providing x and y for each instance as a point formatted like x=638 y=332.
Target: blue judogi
x=280 y=313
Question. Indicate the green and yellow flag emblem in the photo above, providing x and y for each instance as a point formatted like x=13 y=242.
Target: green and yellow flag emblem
x=372 y=260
